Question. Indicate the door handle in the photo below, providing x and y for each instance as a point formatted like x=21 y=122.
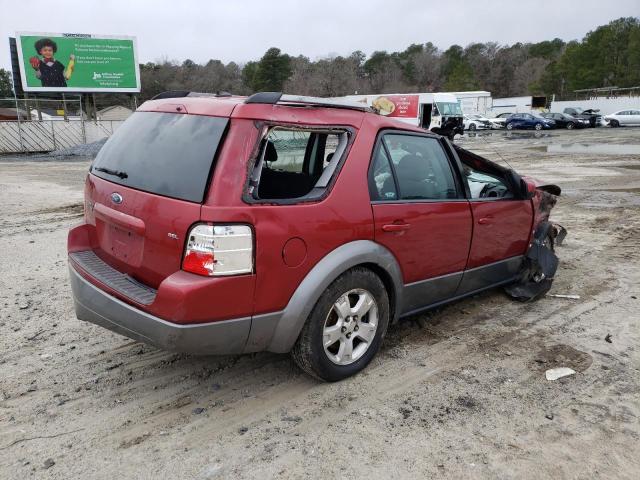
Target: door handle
x=486 y=220
x=396 y=227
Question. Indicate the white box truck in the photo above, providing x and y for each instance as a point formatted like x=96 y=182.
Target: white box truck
x=439 y=112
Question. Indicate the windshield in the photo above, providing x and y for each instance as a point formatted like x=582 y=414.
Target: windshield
x=165 y=153
x=449 y=108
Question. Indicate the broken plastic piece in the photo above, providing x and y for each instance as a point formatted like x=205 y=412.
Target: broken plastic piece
x=572 y=297
x=556 y=373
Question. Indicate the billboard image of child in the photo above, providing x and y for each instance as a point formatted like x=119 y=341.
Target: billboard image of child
x=51 y=72
x=77 y=62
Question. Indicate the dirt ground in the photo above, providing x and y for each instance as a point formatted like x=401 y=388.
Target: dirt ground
x=456 y=393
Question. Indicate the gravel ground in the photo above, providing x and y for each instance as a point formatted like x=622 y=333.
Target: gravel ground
x=456 y=393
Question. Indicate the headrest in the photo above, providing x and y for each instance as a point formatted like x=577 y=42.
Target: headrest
x=412 y=167
x=271 y=155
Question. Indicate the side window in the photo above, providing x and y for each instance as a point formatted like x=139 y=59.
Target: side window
x=382 y=185
x=421 y=168
x=295 y=163
x=484 y=185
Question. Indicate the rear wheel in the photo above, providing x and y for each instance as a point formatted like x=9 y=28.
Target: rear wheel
x=570 y=126
x=472 y=126
x=509 y=126
x=345 y=328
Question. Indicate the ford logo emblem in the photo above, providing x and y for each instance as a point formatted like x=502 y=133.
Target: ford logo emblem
x=116 y=198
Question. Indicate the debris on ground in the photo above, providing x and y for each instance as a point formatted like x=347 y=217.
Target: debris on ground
x=608 y=338
x=82 y=150
x=571 y=297
x=556 y=373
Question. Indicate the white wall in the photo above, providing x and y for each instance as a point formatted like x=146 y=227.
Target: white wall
x=606 y=105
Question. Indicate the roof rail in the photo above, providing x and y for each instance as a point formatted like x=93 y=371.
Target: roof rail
x=187 y=93
x=278 y=98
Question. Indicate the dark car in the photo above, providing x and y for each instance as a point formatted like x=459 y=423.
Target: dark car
x=564 y=120
x=529 y=120
x=285 y=224
x=590 y=114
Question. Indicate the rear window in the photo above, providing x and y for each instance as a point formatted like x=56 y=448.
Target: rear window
x=169 y=154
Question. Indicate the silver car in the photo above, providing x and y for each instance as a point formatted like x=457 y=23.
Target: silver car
x=623 y=118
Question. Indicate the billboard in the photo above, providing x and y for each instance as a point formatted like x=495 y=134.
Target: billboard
x=402 y=106
x=75 y=62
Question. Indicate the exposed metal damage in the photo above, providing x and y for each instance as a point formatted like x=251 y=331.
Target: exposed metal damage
x=541 y=262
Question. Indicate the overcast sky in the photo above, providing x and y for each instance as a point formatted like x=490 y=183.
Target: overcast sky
x=242 y=30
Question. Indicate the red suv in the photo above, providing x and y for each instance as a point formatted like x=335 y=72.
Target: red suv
x=218 y=224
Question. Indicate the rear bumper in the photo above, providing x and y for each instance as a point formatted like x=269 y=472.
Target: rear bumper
x=214 y=338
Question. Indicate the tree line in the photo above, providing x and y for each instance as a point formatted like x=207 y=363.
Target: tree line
x=606 y=56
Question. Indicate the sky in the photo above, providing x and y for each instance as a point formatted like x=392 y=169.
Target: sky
x=236 y=30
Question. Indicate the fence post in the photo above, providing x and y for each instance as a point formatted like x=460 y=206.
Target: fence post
x=84 y=133
x=53 y=134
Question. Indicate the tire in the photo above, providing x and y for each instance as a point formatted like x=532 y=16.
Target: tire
x=333 y=318
x=509 y=126
x=614 y=123
x=538 y=126
x=472 y=126
x=570 y=126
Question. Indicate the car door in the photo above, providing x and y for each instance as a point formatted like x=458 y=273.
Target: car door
x=624 y=117
x=420 y=215
x=501 y=227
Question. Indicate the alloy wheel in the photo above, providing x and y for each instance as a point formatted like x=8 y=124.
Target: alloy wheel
x=350 y=327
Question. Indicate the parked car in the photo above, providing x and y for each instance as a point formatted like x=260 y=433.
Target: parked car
x=528 y=120
x=564 y=120
x=227 y=225
x=623 y=118
x=595 y=118
x=476 y=122
x=499 y=120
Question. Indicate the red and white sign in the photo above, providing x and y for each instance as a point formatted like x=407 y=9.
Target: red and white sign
x=405 y=106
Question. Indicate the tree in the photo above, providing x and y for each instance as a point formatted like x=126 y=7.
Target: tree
x=6 y=86
x=272 y=71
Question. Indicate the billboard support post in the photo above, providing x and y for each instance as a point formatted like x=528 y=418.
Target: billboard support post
x=15 y=97
x=64 y=108
x=38 y=111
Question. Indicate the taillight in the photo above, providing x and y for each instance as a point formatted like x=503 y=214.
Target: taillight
x=214 y=250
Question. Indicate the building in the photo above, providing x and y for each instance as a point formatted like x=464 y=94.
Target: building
x=518 y=104
x=478 y=102
x=114 y=112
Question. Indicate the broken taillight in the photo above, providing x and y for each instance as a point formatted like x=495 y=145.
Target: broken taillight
x=214 y=250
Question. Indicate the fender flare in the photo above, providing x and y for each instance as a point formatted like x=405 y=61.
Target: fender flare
x=295 y=314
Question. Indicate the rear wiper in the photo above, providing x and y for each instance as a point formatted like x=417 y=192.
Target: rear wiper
x=108 y=171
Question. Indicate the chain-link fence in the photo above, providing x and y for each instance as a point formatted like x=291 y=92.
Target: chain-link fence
x=44 y=125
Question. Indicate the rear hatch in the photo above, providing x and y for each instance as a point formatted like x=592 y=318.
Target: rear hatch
x=146 y=188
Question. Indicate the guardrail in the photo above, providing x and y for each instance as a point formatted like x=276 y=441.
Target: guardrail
x=49 y=135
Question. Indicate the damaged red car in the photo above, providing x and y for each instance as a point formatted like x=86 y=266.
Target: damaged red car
x=216 y=224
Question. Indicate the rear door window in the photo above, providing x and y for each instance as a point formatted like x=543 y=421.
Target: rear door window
x=168 y=154
x=420 y=166
x=296 y=163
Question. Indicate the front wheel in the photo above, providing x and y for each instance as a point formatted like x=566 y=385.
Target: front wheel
x=614 y=124
x=345 y=328
x=538 y=126
x=472 y=126
x=570 y=126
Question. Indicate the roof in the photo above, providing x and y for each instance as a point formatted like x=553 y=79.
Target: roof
x=268 y=106
x=113 y=107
